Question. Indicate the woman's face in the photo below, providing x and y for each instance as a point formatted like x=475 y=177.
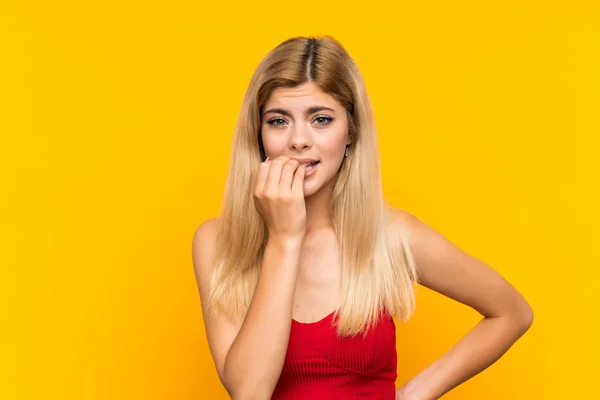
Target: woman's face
x=305 y=122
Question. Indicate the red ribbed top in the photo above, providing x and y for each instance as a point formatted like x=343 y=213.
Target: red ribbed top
x=318 y=365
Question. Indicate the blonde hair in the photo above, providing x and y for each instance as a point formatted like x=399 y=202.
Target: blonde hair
x=378 y=269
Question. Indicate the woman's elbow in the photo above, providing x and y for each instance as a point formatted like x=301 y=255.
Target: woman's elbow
x=523 y=316
x=247 y=393
x=245 y=389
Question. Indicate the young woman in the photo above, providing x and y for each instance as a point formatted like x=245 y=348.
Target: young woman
x=303 y=272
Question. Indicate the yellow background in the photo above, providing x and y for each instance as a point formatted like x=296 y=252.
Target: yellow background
x=116 y=121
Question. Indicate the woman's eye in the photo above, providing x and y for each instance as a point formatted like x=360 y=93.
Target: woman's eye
x=276 y=122
x=323 y=120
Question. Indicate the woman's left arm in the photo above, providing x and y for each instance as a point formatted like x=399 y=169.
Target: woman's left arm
x=445 y=268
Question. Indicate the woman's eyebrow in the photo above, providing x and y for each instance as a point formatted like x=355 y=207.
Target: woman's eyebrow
x=308 y=111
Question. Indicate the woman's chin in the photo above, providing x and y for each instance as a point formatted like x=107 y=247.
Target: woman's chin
x=309 y=189
x=313 y=187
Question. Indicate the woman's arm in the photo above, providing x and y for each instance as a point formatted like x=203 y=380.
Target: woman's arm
x=249 y=358
x=445 y=268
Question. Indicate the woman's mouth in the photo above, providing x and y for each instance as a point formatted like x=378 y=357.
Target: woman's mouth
x=310 y=169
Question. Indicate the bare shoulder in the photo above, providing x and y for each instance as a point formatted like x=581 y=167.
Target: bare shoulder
x=220 y=331
x=407 y=222
x=451 y=271
x=202 y=246
x=426 y=243
x=203 y=243
x=420 y=235
x=205 y=232
x=404 y=217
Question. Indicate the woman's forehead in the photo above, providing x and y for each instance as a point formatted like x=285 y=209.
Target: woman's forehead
x=301 y=97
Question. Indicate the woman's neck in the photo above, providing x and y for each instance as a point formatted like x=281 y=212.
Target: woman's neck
x=318 y=209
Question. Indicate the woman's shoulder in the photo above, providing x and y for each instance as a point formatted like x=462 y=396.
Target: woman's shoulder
x=402 y=215
x=203 y=244
x=207 y=227
x=405 y=221
x=206 y=231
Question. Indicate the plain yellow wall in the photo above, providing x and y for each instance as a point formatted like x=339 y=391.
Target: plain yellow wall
x=116 y=121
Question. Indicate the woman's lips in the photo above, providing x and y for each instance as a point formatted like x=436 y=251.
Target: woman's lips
x=311 y=170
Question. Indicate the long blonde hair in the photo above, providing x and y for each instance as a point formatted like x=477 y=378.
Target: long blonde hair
x=378 y=269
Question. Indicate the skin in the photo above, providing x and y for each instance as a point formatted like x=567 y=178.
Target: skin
x=290 y=133
x=443 y=267
x=322 y=135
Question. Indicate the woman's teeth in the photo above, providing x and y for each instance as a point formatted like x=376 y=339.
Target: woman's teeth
x=310 y=166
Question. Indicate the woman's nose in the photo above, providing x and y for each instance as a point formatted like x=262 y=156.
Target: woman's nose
x=300 y=137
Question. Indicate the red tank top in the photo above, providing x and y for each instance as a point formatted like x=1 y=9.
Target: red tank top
x=318 y=365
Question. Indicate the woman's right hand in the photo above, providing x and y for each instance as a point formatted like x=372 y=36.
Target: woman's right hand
x=279 y=197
